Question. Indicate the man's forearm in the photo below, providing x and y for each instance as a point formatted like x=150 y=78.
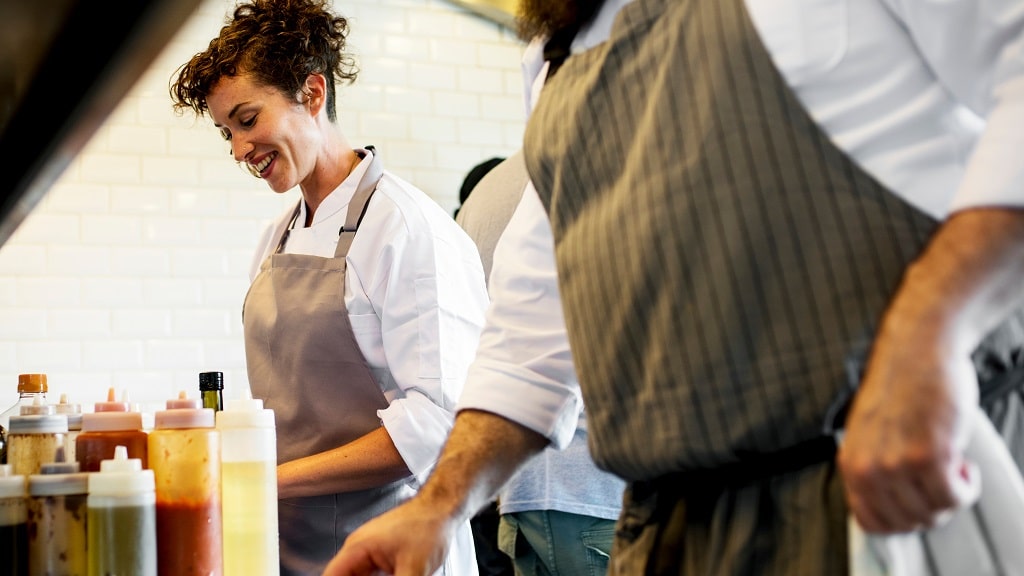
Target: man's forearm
x=483 y=451
x=969 y=278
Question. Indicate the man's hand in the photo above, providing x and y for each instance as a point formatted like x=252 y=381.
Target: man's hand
x=901 y=455
x=483 y=451
x=407 y=541
x=902 y=452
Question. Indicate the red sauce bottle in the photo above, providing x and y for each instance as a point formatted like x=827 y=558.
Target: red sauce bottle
x=110 y=425
x=184 y=454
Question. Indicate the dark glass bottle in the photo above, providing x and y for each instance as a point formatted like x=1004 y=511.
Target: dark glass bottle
x=211 y=390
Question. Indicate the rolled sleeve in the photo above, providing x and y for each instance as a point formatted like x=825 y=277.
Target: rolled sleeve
x=418 y=427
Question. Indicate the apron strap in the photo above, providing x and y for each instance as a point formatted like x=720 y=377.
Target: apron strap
x=360 y=200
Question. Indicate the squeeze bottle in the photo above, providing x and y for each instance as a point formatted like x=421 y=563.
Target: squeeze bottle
x=121 y=522
x=184 y=454
x=249 y=480
x=110 y=425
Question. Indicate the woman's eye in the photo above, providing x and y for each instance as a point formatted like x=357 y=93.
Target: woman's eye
x=248 y=122
x=225 y=135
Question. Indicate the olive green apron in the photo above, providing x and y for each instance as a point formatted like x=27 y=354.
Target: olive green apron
x=304 y=362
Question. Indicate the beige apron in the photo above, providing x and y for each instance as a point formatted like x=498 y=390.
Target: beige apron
x=304 y=362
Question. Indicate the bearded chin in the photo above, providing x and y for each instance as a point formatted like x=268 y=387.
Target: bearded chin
x=542 y=18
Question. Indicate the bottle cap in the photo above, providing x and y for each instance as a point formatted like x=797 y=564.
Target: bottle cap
x=39 y=424
x=245 y=412
x=32 y=383
x=211 y=381
x=58 y=477
x=111 y=405
x=107 y=421
x=11 y=485
x=38 y=406
x=121 y=475
x=184 y=412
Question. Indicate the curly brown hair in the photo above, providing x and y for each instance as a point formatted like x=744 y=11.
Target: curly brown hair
x=279 y=42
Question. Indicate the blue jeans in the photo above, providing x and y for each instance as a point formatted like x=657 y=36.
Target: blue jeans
x=552 y=543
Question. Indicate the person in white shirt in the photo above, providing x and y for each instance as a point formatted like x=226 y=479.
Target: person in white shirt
x=367 y=299
x=881 y=172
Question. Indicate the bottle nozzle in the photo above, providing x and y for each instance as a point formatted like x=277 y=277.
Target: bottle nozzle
x=121 y=462
x=112 y=405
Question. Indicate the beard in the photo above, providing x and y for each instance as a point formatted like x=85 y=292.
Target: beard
x=545 y=17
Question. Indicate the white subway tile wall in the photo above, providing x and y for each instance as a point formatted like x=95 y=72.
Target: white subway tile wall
x=131 y=271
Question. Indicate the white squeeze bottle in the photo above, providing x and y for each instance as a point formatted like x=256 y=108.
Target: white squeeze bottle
x=249 y=487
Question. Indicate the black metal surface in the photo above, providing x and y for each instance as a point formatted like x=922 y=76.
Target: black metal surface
x=64 y=67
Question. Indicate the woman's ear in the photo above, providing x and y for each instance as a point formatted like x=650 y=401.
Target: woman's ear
x=314 y=91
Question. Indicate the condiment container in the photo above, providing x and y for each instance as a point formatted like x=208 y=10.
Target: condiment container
x=121 y=524
x=184 y=454
x=33 y=439
x=111 y=424
x=13 y=523
x=74 y=414
x=57 y=512
x=249 y=487
x=211 y=390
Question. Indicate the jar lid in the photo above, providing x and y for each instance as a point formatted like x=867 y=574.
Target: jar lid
x=31 y=383
x=58 y=483
x=58 y=477
x=211 y=381
x=39 y=424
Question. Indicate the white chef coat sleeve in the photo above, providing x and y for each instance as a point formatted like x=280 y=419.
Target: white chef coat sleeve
x=428 y=288
x=523 y=368
x=977 y=51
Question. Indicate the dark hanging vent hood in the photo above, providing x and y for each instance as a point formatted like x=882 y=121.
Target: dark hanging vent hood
x=64 y=67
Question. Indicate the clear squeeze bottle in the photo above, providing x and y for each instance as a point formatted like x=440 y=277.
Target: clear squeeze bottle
x=111 y=424
x=184 y=454
x=13 y=523
x=74 y=414
x=57 y=511
x=249 y=480
x=211 y=390
x=31 y=387
x=121 y=524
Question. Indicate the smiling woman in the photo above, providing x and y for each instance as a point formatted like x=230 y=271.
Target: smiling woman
x=343 y=315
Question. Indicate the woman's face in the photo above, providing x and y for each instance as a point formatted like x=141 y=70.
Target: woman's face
x=275 y=136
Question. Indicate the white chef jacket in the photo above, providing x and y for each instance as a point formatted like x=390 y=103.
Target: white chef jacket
x=926 y=95
x=415 y=294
